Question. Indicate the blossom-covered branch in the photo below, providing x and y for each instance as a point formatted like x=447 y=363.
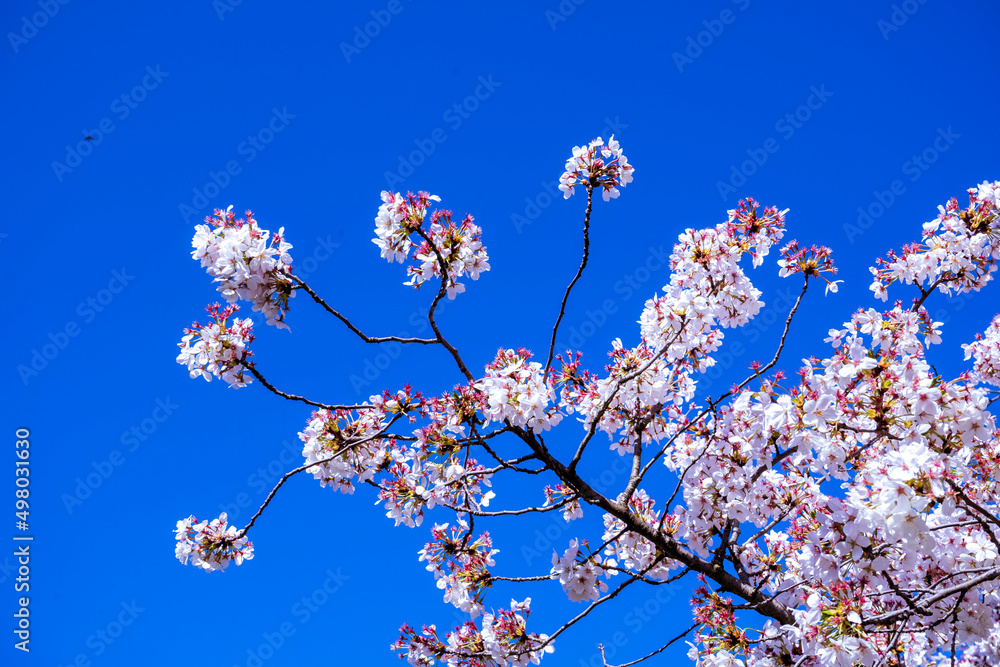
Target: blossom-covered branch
x=845 y=512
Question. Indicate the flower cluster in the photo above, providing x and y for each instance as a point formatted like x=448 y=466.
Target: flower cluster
x=640 y=386
x=248 y=262
x=419 y=480
x=629 y=549
x=959 y=251
x=445 y=250
x=454 y=478
x=460 y=565
x=813 y=262
x=853 y=504
x=502 y=642
x=708 y=287
x=516 y=390
x=718 y=632
x=651 y=382
x=597 y=165
x=345 y=446
x=399 y=217
x=985 y=352
x=754 y=230
x=564 y=495
x=877 y=417
x=579 y=577
x=219 y=349
x=211 y=545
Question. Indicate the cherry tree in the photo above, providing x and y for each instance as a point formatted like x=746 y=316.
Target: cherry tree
x=847 y=515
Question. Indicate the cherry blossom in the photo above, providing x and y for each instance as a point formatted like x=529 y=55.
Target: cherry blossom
x=597 y=165
x=567 y=497
x=630 y=549
x=813 y=261
x=516 y=391
x=985 y=352
x=342 y=447
x=959 y=251
x=501 y=641
x=837 y=510
x=219 y=349
x=248 y=262
x=579 y=579
x=211 y=545
x=460 y=565
x=443 y=250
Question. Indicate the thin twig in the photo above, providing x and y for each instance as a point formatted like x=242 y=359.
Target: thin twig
x=368 y=339
x=442 y=290
x=659 y=650
x=292 y=397
x=579 y=272
x=296 y=471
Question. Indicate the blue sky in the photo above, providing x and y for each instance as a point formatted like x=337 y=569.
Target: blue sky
x=861 y=117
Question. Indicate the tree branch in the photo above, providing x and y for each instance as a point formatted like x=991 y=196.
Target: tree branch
x=368 y=339
x=650 y=655
x=291 y=473
x=292 y=397
x=579 y=272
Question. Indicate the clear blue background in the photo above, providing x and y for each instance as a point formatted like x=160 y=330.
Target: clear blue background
x=560 y=79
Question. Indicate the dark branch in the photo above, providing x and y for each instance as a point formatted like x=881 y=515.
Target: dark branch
x=579 y=272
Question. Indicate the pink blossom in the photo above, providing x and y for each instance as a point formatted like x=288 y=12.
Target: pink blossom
x=219 y=349
x=248 y=262
x=597 y=165
x=211 y=545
